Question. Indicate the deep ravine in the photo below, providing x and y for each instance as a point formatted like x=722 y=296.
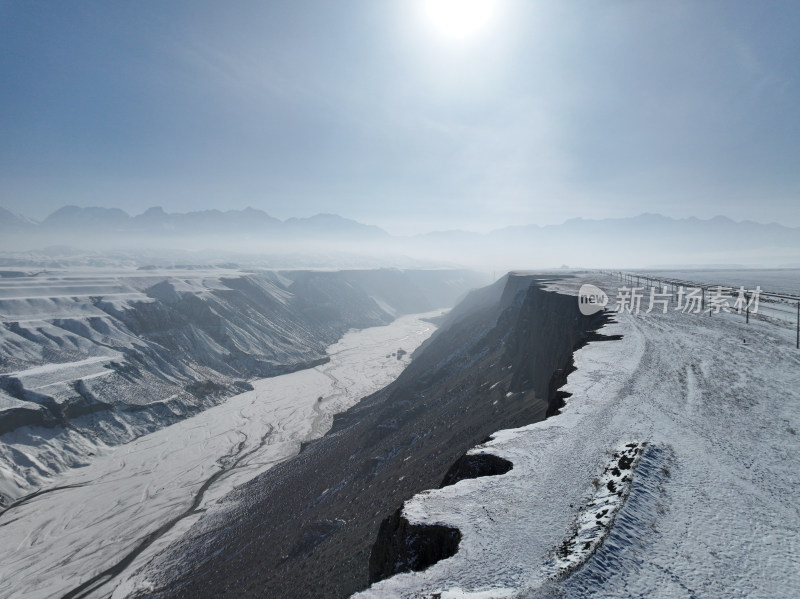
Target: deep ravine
x=381 y=452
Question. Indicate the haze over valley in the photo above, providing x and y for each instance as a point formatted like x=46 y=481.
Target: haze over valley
x=328 y=240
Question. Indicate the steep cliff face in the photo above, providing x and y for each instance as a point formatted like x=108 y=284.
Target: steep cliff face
x=101 y=360
x=403 y=547
x=538 y=332
x=490 y=366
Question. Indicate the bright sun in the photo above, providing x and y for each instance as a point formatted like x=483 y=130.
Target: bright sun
x=459 y=18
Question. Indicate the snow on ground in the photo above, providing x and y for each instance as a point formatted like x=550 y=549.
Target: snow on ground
x=51 y=374
x=91 y=518
x=713 y=509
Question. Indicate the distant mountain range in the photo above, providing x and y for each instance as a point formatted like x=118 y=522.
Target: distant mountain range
x=642 y=240
x=155 y=221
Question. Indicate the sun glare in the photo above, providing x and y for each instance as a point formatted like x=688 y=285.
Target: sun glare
x=459 y=18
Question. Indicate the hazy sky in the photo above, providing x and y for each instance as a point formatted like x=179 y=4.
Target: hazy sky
x=374 y=110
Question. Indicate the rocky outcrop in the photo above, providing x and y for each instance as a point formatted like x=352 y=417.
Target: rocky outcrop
x=405 y=547
x=475 y=465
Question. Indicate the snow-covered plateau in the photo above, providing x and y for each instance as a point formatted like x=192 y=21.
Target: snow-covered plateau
x=706 y=505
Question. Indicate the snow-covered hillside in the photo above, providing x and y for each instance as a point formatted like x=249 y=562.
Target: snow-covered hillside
x=712 y=406
x=96 y=357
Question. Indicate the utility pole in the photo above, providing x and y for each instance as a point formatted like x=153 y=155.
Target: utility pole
x=798 y=325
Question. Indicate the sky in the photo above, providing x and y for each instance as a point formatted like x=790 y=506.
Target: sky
x=388 y=113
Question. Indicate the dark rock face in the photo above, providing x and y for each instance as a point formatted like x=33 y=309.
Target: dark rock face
x=19 y=417
x=474 y=466
x=492 y=365
x=403 y=547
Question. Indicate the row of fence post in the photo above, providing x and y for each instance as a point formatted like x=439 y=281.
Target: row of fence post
x=629 y=278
